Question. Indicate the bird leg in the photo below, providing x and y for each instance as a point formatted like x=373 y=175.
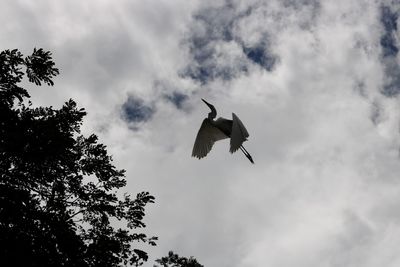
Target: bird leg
x=247 y=154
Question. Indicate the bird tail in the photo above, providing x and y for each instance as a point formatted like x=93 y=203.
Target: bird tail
x=247 y=154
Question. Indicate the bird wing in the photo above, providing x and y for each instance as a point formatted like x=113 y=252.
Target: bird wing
x=206 y=137
x=239 y=133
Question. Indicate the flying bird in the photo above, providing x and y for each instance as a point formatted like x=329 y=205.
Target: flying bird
x=214 y=130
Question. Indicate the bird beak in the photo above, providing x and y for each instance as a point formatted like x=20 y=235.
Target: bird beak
x=208 y=104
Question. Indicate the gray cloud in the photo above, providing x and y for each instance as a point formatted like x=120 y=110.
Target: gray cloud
x=176 y=98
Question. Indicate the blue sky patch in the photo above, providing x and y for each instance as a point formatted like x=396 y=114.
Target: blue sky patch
x=135 y=110
x=390 y=50
x=260 y=56
x=213 y=27
x=388 y=41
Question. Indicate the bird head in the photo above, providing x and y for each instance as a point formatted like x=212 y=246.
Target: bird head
x=213 y=112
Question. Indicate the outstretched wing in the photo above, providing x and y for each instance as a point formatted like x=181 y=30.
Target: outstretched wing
x=206 y=137
x=239 y=133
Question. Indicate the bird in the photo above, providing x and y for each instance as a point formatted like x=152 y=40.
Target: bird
x=214 y=130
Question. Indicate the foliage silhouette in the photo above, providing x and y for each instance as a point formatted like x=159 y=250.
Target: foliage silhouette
x=174 y=260
x=58 y=188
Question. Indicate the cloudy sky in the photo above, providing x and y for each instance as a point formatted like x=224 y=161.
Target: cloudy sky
x=317 y=84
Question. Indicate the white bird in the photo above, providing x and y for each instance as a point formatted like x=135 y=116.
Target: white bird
x=214 y=130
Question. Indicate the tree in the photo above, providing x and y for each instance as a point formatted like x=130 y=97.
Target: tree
x=174 y=260
x=58 y=188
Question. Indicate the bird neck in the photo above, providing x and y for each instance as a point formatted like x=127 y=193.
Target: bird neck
x=212 y=115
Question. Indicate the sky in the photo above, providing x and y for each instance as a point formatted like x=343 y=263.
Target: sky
x=316 y=83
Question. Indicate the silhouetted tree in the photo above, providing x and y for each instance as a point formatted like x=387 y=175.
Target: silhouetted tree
x=58 y=188
x=174 y=260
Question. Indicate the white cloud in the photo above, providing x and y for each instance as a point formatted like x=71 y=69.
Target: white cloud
x=324 y=188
